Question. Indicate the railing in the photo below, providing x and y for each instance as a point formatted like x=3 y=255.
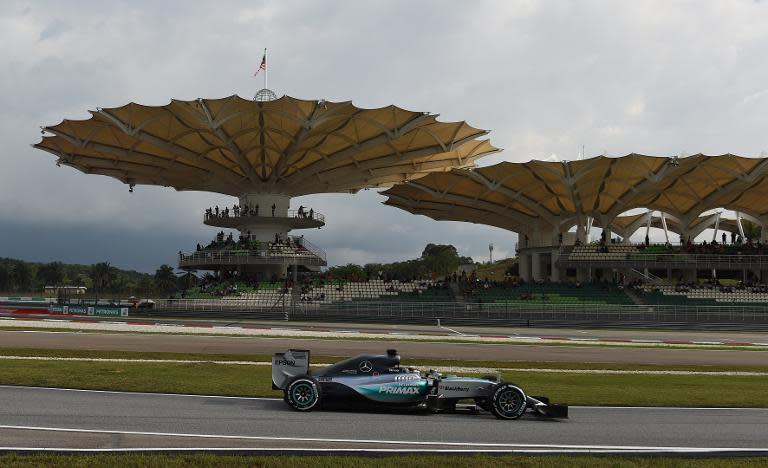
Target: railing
x=650 y=260
x=293 y=214
x=305 y=253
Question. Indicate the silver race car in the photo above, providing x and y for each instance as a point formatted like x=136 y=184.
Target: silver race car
x=378 y=381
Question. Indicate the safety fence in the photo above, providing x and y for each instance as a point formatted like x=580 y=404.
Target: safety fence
x=481 y=314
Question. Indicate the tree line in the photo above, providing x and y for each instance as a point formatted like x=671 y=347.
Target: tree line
x=101 y=279
x=436 y=261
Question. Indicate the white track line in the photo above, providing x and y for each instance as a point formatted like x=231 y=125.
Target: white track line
x=116 y=392
x=395 y=442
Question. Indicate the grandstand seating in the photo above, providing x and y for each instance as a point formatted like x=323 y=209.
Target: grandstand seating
x=704 y=295
x=271 y=294
x=592 y=252
x=551 y=294
x=378 y=290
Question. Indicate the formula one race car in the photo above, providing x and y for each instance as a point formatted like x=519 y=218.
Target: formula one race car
x=378 y=381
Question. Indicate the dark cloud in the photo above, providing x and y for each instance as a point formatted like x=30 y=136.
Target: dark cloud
x=545 y=77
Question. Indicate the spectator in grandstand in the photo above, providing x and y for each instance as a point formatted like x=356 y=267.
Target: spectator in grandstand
x=733 y=237
x=311 y=213
x=725 y=238
x=301 y=211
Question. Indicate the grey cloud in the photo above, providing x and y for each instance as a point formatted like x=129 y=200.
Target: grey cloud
x=546 y=78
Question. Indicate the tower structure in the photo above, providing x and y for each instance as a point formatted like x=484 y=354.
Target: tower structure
x=264 y=152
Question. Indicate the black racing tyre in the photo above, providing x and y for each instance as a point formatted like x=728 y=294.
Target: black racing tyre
x=508 y=401
x=302 y=393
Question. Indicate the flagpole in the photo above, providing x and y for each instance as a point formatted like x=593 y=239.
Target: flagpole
x=265 y=69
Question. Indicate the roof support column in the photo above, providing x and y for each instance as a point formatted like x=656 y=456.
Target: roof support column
x=717 y=227
x=524 y=266
x=741 y=227
x=536 y=266
x=554 y=255
x=664 y=223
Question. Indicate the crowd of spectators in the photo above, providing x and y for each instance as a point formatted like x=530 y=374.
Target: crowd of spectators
x=246 y=210
x=281 y=243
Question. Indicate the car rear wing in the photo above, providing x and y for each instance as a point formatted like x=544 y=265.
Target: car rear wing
x=287 y=365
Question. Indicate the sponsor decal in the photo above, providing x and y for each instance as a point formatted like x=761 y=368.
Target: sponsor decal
x=454 y=388
x=285 y=362
x=325 y=379
x=399 y=390
x=407 y=377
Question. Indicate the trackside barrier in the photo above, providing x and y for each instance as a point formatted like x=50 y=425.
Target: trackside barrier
x=482 y=314
x=96 y=311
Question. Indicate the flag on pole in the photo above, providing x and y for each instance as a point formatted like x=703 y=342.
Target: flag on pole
x=263 y=65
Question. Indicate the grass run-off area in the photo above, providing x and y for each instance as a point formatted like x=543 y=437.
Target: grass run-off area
x=208 y=378
x=454 y=339
x=208 y=460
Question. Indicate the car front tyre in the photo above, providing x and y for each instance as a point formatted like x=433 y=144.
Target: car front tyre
x=508 y=401
x=302 y=393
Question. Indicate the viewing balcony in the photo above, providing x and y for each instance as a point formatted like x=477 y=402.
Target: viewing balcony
x=301 y=252
x=292 y=219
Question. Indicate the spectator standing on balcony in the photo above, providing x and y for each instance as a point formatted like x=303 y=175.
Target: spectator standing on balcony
x=273 y=210
x=311 y=213
x=733 y=237
x=301 y=211
x=217 y=211
x=725 y=238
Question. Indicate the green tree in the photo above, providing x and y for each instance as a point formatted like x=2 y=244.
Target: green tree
x=5 y=277
x=21 y=274
x=145 y=286
x=350 y=272
x=50 y=274
x=187 y=281
x=165 y=280
x=441 y=260
x=751 y=230
x=84 y=280
x=102 y=275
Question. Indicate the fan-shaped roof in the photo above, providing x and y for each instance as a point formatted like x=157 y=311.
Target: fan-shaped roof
x=290 y=146
x=556 y=194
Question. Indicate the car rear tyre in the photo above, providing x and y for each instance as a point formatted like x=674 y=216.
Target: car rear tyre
x=508 y=401
x=302 y=393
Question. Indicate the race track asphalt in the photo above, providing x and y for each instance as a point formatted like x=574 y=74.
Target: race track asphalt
x=55 y=418
x=408 y=349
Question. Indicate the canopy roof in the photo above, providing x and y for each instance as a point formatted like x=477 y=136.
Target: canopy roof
x=289 y=146
x=540 y=194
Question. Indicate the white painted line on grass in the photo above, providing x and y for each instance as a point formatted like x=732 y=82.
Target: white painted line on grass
x=116 y=392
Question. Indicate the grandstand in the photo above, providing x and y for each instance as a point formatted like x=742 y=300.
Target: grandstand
x=267 y=151
x=264 y=152
x=556 y=208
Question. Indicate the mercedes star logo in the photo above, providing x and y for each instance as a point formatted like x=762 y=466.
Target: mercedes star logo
x=365 y=366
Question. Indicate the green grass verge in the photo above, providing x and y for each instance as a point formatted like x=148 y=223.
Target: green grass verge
x=236 y=380
x=421 y=363
x=479 y=461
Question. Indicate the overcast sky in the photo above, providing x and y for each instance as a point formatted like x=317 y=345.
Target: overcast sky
x=659 y=78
